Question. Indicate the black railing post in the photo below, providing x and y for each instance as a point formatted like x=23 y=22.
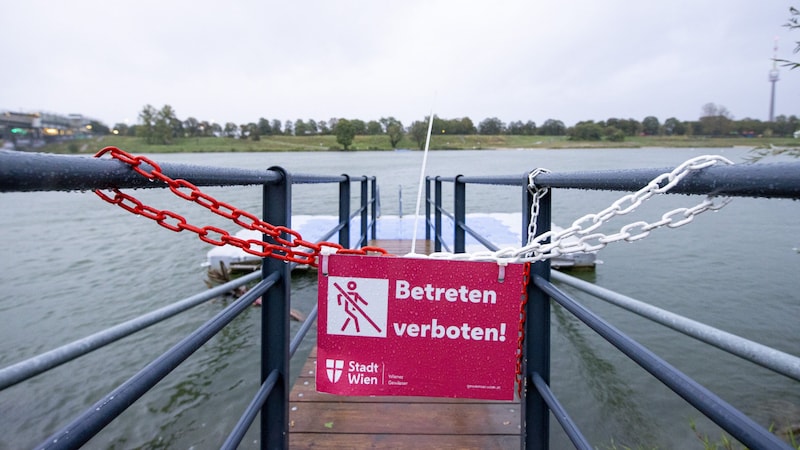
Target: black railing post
x=344 y=212
x=527 y=201
x=277 y=206
x=375 y=207
x=460 y=212
x=437 y=214
x=536 y=417
x=364 y=210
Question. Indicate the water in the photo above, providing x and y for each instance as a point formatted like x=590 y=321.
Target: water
x=73 y=265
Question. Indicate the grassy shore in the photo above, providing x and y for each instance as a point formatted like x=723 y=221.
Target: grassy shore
x=438 y=142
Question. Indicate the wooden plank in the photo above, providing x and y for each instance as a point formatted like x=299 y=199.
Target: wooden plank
x=404 y=418
x=396 y=441
x=403 y=246
x=319 y=420
x=304 y=390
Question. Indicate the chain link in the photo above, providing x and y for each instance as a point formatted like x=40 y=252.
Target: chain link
x=537 y=193
x=538 y=249
x=287 y=244
x=584 y=226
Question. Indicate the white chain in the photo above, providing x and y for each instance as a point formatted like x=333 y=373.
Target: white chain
x=537 y=193
x=538 y=249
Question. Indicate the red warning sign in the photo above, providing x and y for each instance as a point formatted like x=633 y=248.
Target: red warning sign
x=418 y=327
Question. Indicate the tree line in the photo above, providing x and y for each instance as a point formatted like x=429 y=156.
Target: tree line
x=162 y=126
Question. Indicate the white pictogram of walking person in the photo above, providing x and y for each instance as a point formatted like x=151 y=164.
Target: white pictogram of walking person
x=349 y=301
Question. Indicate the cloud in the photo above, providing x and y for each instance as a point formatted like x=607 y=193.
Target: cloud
x=516 y=60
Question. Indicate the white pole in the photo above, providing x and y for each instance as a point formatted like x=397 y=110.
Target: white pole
x=421 y=184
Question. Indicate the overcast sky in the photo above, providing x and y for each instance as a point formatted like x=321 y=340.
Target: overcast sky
x=239 y=60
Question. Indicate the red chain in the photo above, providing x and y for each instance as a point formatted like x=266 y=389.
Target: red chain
x=522 y=318
x=289 y=245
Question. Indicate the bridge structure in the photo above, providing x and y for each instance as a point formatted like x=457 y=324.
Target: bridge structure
x=39 y=125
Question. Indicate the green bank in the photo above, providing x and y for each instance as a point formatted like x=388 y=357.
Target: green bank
x=381 y=142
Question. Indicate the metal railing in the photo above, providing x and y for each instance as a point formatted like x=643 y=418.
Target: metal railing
x=43 y=172
x=764 y=180
x=32 y=172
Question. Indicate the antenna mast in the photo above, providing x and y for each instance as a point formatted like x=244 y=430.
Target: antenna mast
x=773 y=78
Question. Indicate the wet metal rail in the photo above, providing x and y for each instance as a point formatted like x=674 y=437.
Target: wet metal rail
x=43 y=172
x=40 y=172
x=765 y=180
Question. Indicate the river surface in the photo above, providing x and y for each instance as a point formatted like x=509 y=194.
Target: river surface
x=73 y=265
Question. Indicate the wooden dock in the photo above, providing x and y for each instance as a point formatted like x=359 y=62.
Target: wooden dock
x=319 y=420
x=402 y=247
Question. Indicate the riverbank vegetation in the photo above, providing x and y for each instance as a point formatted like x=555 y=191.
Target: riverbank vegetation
x=160 y=130
x=438 y=142
x=163 y=127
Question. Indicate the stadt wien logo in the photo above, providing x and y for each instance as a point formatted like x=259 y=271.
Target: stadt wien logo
x=333 y=367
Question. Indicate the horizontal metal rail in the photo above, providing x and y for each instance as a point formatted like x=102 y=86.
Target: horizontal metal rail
x=303 y=331
x=780 y=362
x=304 y=178
x=336 y=228
x=437 y=235
x=504 y=180
x=94 y=419
x=567 y=424
x=357 y=212
x=249 y=415
x=34 y=171
x=722 y=413
x=460 y=227
x=768 y=357
x=485 y=242
x=41 y=363
x=438 y=212
x=446 y=213
x=776 y=180
x=23 y=172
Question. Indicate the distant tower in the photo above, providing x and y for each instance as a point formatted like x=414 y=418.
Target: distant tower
x=773 y=78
